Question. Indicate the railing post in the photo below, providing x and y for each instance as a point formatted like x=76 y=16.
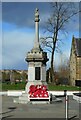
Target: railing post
x=66 y=104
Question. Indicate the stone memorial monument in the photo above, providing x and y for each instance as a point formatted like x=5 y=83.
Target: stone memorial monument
x=36 y=59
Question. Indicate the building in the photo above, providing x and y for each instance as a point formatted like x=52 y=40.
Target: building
x=75 y=62
x=13 y=75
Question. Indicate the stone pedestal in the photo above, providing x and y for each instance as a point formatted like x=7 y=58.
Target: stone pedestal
x=36 y=68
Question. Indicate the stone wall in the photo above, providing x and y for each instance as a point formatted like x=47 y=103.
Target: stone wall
x=78 y=69
x=72 y=67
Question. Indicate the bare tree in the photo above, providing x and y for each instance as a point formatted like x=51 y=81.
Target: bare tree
x=62 y=13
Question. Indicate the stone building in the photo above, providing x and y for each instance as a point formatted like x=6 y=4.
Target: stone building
x=13 y=75
x=75 y=62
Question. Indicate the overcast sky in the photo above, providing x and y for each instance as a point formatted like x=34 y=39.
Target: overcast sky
x=18 y=32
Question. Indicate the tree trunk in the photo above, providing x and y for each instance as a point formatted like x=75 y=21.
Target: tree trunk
x=52 y=66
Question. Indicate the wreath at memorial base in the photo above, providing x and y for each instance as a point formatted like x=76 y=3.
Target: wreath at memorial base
x=38 y=91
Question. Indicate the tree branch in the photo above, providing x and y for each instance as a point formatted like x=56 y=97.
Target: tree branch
x=67 y=19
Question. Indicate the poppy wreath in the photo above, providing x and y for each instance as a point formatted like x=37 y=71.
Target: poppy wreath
x=38 y=91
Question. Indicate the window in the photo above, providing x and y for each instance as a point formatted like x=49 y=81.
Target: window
x=37 y=73
x=78 y=83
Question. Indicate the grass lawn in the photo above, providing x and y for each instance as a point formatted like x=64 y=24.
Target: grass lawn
x=21 y=86
x=18 y=86
x=61 y=87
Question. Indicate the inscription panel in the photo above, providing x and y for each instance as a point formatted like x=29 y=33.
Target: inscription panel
x=37 y=73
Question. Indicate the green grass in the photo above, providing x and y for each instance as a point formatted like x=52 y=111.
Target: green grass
x=18 y=86
x=62 y=88
x=0 y=86
x=21 y=86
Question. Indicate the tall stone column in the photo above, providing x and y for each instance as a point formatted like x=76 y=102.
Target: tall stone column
x=36 y=43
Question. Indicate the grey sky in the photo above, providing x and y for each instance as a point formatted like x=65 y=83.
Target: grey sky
x=17 y=12
x=22 y=14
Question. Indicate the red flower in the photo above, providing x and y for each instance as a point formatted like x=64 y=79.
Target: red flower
x=38 y=91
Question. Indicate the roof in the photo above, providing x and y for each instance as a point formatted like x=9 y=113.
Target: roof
x=78 y=46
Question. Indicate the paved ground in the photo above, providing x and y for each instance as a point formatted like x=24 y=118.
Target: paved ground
x=54 y=110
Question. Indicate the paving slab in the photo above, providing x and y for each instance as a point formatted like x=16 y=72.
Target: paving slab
x=53 y=110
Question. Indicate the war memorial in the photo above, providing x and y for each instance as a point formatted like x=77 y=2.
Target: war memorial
x=37 y=102
x=36 y=88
